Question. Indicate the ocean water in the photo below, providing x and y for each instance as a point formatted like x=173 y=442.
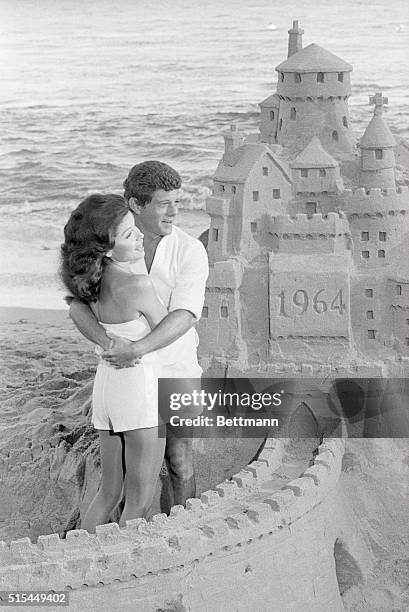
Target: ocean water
x=90 y=89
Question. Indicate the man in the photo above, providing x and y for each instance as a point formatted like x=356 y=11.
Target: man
x=178 y=268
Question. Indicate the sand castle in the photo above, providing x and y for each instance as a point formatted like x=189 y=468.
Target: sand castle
x=307 y=233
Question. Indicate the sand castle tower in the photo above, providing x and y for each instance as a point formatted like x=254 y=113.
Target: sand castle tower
x=232 y=140
x=311 y=100
x=315 y=174
x=294 y=39
x=377 y=150
x=250 y=181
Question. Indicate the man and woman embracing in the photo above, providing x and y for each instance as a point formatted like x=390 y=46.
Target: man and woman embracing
x=138 y=285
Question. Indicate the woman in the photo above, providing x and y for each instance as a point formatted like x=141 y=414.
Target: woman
x=102 y=248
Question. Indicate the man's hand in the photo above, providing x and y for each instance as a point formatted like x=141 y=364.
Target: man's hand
x=122 y=353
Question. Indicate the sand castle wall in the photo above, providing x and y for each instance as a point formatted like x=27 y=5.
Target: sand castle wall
x=318 y=233
x=375 y=201
x=237 y=547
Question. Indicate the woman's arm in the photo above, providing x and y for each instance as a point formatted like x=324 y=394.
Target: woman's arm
x=86 y=322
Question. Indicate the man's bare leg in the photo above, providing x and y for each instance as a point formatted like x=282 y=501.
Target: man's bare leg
x=179 y=459
x=110 y=490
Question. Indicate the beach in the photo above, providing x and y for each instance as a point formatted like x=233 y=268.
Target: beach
x=87 y=92
x=44 y=373
x=49 y=460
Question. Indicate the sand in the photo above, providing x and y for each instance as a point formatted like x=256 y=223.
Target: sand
x=49 y=460
x=45 y=377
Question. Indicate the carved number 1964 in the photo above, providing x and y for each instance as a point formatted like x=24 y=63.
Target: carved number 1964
x=302 y=300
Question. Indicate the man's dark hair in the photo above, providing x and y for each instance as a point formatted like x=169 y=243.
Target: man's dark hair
x=145 y=178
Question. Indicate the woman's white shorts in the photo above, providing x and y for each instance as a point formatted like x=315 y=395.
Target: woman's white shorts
x=126 y=398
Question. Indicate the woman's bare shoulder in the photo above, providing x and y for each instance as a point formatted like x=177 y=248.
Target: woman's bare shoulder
x=134 y=283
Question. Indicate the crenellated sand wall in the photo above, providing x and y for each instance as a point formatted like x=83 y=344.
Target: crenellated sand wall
x=240 y=546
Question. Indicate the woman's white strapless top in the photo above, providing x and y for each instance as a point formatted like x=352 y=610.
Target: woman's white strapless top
x=131 y=330
x=138 y=328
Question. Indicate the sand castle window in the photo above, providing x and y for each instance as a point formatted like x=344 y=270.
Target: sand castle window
x=371 y=334
x=320 y=77
x=365 y=254
x=382 y=236
x=215 y=234
x=265 y=171
x=280 y=125
x=381 y=253
x=378 y=154
x=369 y=293
x=407 y=341
x=255 y=196
x=345 y=121
x=221 y=187
x=341 y=77
x=293 y=113
x=369 y=314
x=323 y=172
x=253 y=227
x=335 y=135
x=407 y=321
x=282 y=76
x=205 y=312
x=311 y=208
x=233 y=189
x=364 y=236
x=398 y=289
x=304 y=172
x=272 y=115
x=224 y=311
x=276 y=194
x=297 y=77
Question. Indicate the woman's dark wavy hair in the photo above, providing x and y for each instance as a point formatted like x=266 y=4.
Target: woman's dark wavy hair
x=89 y=235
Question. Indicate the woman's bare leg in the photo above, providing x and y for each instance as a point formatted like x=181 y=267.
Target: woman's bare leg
x=144 y=452
x=109 y=492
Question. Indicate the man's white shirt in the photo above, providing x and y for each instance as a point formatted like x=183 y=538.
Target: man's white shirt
x=179 y=272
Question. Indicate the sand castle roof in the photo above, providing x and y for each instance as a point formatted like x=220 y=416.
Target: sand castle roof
x=377 y=135
x=400 y=278
x=314 y=156
x=314 y=59
x=272 y=101
x=245 y=157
